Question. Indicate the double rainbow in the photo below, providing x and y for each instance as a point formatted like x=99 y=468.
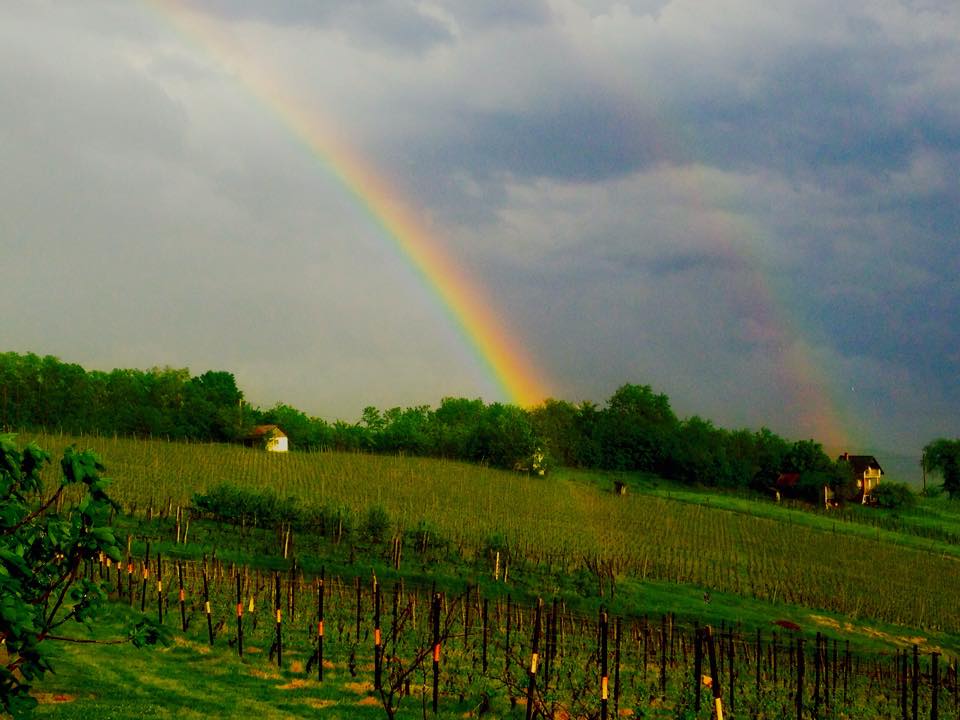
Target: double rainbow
x=498 y=351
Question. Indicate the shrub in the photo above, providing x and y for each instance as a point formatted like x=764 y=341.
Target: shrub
x=376 y=524
x=426 y=536
x=893 y=495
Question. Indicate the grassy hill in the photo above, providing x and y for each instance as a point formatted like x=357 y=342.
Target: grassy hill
x=879 y=579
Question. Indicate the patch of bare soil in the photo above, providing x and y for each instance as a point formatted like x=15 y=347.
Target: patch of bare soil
x=45 y=698
x=901 y=640
x=295 y=684
x=201 y=648
x=360 y=688
x=319 y=704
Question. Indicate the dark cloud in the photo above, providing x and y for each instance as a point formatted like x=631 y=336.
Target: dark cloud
x=397 y=24
x=498 y=13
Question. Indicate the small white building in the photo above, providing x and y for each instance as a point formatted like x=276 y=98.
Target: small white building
x=269 y=437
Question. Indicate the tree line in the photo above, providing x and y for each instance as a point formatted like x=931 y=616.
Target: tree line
x=636 y=430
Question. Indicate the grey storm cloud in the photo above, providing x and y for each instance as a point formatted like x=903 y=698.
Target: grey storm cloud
x=396 y=24
x=667 y=192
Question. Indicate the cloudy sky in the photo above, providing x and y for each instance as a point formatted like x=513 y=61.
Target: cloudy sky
x=751 y=205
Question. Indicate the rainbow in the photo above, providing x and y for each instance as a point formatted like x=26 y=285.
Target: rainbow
x=462 y=299
x=809 y=408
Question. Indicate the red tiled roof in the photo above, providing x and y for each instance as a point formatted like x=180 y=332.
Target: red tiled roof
x=261 y=430
x=788 y=479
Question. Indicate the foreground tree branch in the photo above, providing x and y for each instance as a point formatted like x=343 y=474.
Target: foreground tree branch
x=41 y=552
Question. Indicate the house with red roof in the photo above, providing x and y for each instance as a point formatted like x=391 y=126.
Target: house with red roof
x=268 y=437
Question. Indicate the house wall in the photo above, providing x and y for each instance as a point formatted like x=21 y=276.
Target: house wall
x=871 y=478
x=869 y=481
x=277 y=444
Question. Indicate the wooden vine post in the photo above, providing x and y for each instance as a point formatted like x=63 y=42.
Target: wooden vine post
x=159 y=591
x=435 y=618
x=483 y=659
x=534 y=659
x=800 y=671
x=146 y=577
x=714 y=675
x=617 y=633
x=182 y=597
x=239 y=616
x=279 y=617
x=320 y=627
x=206 y=604
x=604 y=674
x=377 y=639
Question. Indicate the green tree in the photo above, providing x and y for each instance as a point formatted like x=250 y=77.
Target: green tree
x=555 y=422
x=635 y=430
x=505 y=438
x=41 y=554
x=943 y=456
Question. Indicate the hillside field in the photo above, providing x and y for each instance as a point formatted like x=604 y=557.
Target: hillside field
x=883 y=581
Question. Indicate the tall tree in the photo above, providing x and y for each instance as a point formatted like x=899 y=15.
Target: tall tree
x=943 y=456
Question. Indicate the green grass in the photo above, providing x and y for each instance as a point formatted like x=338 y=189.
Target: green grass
x=185 y=680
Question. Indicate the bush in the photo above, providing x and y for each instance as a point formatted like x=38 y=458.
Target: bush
x=235 y=505
x=893 y=495
x=376 y=525
x=426 y=536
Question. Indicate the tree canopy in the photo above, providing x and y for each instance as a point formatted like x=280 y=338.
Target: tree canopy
x=943 y=456
x=636 y=430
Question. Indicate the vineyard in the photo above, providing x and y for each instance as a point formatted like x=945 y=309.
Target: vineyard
x=422 y=553
x=410 y=649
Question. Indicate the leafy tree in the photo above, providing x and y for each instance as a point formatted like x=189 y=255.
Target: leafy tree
x=635 y=429
x=455 y=427
x=700 y=454
x=505 y=437
x=943 y=456
x=41 y=553
x=406 y=430
x=555 y=423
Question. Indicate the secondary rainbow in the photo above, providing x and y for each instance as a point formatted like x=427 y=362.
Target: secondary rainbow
x=463 y=300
